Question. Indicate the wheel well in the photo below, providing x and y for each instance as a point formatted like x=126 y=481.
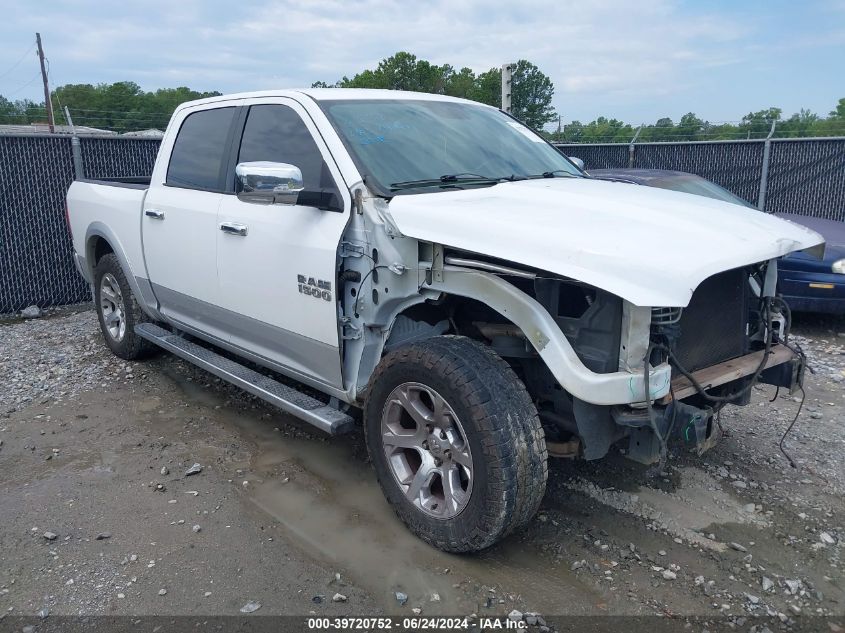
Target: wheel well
x=467 y=317
x=473 y=319
x=98 y=248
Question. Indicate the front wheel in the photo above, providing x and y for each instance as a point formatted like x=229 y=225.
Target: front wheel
x=456 y=443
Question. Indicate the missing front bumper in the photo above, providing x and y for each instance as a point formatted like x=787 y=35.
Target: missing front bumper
x=730 y=371
x=690 y=426
x=692 y=423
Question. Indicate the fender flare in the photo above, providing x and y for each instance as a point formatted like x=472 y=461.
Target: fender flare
x=541 y=330
x=101 y=230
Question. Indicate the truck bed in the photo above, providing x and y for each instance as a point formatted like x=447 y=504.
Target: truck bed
x=110 y=209
x=132 y=182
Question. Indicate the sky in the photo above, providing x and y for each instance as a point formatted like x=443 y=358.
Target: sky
x=634 y=61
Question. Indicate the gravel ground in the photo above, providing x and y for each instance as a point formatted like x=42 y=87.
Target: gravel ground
x=100 y=517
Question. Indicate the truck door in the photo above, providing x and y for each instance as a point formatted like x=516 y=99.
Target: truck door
x=277 y=273
x=179 y=221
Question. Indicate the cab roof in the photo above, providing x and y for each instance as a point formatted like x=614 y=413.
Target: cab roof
x=332 y=94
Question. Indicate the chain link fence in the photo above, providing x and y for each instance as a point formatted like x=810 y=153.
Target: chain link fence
x=807 y=177
x=804 y=176
x=36 y=265
x=104 y=157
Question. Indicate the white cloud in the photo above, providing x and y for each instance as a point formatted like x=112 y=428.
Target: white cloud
x=607 y=49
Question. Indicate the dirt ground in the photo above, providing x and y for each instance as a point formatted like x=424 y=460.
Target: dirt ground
x=99 y=517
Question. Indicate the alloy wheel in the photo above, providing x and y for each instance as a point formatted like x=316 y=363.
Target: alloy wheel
x=112 y=307
x=427 y=450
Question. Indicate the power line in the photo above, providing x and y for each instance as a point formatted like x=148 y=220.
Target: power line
x=42 y=112
x=119 y=115
x=142 y=112
x=58 y=100
x=120 y=122
x=28 y=83
x=18 y=63
x=624 y=135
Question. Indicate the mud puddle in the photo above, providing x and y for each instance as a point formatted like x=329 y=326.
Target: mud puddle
x=697 y=503
x=325 y=497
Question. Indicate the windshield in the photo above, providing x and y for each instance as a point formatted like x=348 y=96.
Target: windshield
x=407 y=146
x=700 y=187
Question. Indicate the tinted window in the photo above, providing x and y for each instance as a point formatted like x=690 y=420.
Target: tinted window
x=200 y=150
x=276 y=133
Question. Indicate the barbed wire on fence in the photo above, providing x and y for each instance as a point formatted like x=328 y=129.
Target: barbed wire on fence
x=837 y=130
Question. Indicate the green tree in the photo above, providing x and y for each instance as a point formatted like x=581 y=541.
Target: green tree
x=9 y=112
x=661 y=130
x=403 y=71
x=488 y=88
x=21 y=112
x=122 y=106
x=604 y=130
x=461 y=84
x=531 y=95
x=689 y=128
x=800 y=124
x=758 y=124
x=753 y=125
x=574 y=132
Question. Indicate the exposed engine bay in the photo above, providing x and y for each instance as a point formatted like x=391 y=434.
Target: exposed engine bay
x=733 y=334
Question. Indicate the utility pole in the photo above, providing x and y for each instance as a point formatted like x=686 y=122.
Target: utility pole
x=47 y=103
x=507 y=81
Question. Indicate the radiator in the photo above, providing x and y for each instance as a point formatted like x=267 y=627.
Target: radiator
x=713 y=326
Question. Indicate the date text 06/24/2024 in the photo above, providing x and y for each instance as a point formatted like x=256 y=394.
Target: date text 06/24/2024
x=413 y=623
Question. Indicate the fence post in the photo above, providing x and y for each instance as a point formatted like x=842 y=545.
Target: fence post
x=764 y=172
x=631 y=147
x=75 y=148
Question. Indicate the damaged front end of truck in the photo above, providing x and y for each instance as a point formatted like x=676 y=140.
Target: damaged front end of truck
x=733 y=335
x=623 y=327
x=691 y=361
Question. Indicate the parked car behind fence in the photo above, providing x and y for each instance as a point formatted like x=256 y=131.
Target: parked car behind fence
x=807 y=283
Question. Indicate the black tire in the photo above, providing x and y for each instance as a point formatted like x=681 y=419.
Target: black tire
x=501 y=428
x=128 y=346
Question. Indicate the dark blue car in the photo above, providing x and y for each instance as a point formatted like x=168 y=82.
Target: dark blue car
x=808 y=284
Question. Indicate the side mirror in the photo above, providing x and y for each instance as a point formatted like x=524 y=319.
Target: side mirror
x=263 y=182
x=577 y=162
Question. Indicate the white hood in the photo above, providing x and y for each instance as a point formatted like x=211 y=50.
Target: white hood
x=649 y=246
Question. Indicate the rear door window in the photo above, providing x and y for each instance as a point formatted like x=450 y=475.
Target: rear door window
x=200 y=151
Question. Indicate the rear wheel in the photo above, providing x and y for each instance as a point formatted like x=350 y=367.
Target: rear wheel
x=118 y=310
x=456 y=443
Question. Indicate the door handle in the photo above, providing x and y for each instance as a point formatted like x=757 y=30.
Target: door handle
x=155 y=214
x=232 y=228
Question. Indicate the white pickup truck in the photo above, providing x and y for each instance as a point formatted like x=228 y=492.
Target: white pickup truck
x=434 y=269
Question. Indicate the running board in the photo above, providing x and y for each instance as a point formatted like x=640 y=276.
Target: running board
x=287 y=398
